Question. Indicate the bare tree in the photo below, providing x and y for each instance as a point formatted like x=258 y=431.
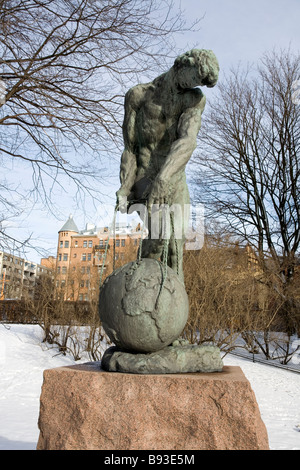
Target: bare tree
x=248 y=170
x=62 y=68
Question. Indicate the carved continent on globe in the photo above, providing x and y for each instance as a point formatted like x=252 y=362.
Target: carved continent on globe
x=143 y=308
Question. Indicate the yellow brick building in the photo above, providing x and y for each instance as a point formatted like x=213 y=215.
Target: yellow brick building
x=82 y=257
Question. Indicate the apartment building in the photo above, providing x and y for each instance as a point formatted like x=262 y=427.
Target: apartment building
x=82 y=256
x=18 y=276
x=49 y=263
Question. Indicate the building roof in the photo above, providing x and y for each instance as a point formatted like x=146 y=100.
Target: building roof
x=69 y=226
x=121 y=228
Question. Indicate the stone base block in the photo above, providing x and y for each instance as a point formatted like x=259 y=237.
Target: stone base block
x=85 y=408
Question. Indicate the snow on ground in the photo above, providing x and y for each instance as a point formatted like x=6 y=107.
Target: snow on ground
x=23 y=359
x=278 y=396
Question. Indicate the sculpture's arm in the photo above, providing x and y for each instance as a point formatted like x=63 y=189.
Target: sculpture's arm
x=182 y=149
x=179 y=155
x=128 y=166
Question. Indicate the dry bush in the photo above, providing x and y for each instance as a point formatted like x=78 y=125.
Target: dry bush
x=72 y=327
x=276 y=323
x=221 y=294
x=234 y=303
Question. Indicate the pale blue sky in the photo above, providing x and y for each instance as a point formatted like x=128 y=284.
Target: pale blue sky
x=238 y=31
x=242 y=30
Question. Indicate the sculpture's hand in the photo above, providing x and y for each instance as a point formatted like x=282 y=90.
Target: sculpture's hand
x=159 y=192
x=122 y=195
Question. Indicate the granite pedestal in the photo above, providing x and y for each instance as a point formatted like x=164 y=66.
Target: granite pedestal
x=84 y=408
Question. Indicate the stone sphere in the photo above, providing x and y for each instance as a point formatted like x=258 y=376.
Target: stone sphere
x=129 y=311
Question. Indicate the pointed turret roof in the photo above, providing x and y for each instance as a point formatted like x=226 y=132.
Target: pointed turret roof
x=69 y=226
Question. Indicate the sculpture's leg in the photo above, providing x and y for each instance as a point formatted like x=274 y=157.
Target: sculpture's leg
x=153 y=246
x=179 y=220
x=175 y=256
x=152 y=249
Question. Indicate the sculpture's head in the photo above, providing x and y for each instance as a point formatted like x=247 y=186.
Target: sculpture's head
x=197 y=67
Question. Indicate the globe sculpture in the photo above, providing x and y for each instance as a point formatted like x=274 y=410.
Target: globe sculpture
x=143 y=307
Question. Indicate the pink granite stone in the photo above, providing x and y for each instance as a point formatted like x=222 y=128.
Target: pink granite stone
x=85 y=408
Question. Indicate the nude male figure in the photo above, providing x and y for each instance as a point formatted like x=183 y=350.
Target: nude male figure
x=161 y=123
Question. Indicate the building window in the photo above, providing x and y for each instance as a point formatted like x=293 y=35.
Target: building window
x=88 y=269
x=123 y=242
x=101 y=243
x=89 y=256
x=64 y=270
x=117 y=242
x=80 y=297
x=85 y=244
x=59 y=257
x=65 y=258
x=58 y=269
x=83 y=270
x=61 y=244
x=76 y=244
x=90 y=243
x=87 y=283
x=83 y=257
x=67 y=244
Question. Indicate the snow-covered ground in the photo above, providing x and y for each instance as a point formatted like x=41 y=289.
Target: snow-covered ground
x=23 y=359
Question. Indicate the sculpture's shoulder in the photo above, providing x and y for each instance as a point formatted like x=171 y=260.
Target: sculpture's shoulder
x=135 y=96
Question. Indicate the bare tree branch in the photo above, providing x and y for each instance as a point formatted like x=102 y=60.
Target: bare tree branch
x=247 y=172
x=65 y=65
